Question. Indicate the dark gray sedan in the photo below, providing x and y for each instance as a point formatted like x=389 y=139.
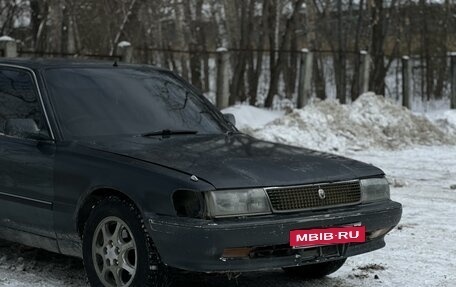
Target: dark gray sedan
x=130 y=168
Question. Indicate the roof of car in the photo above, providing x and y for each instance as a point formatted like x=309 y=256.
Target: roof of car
x=42 y=63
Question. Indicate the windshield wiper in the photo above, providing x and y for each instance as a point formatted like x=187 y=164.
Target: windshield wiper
x=167 y=133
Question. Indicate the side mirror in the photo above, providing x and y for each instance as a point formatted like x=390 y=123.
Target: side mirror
x=230 y=118
x=25 y=128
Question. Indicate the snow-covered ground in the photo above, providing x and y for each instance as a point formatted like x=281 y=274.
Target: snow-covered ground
x=417 y=152
x=420 y=252
x=252 y=117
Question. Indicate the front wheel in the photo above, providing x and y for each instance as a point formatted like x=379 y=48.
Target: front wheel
x=117 y=250
x=315 y=271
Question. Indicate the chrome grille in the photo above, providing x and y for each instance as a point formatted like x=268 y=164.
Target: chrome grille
x=306 y=197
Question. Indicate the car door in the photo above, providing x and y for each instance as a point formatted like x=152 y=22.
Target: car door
x=26 y=165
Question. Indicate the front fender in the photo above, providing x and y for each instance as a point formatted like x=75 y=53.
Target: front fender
x=81 y=171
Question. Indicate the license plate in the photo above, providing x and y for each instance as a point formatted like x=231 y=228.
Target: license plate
x=327 y=236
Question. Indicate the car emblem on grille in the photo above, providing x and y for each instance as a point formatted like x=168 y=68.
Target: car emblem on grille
x=321 y=193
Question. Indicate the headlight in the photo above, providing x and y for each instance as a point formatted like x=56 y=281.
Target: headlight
x=375 y=189
x=225 y=203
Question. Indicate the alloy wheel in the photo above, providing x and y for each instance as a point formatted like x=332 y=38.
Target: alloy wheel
x=114 y=253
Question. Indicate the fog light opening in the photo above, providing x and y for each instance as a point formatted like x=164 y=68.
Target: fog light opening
x=236 y=253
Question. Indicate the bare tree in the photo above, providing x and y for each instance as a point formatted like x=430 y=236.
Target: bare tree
x=255 y=64
x=196 y=46
x=378 y=38
x=355 y=91
x=126 y=17
x=276 y=65
x=183 y=34
x=8 y=12
x=236 y=21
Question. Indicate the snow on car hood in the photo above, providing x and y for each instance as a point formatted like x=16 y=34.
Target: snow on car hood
x=237 y=161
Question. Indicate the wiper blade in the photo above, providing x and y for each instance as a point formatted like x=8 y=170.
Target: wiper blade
x=167 y=133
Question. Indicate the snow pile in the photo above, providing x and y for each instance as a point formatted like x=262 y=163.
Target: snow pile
x=446 y=120
x=249 y=117
x=370 y=122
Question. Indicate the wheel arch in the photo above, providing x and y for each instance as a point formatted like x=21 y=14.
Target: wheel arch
x=89 y=202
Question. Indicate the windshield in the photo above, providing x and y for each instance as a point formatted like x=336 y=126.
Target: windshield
x=127 y=101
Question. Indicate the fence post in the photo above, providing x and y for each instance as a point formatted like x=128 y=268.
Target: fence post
x=305 y=78
x=364 y=73
x=406 y=82
x=8 y=47
x=453 y=79
x=125 y=51
x=222 y=81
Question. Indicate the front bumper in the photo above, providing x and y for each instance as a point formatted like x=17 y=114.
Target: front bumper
x=198 y=245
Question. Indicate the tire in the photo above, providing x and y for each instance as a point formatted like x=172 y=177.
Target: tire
x=114 y=242
x=315 y=271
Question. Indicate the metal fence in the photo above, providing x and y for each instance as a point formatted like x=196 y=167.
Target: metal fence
x=304 y=76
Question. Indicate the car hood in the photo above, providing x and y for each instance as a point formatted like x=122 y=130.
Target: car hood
x=238 y=160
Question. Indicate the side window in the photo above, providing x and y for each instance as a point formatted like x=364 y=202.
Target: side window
x=18 y=99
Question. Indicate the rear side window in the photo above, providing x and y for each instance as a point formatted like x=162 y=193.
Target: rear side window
x=18 y=98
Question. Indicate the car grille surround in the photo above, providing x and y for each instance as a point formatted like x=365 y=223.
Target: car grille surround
x=314 y=196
